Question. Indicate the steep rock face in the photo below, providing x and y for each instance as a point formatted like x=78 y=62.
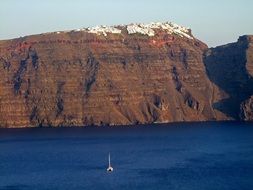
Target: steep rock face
x=230 y=67
x=105 y=77
x=247 y=109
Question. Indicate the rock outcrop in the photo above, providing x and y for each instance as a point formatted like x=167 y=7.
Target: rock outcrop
x=121 y=75
x=247 y=109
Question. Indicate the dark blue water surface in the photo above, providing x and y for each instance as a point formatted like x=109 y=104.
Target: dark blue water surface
x=201 y=156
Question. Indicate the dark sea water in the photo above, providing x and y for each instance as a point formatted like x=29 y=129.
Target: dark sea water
x=201 y=156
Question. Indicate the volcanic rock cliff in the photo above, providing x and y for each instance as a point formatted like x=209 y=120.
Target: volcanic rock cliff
x=116 y=76
x=230 y=67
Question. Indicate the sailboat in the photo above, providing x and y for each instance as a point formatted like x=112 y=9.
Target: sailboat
x=110 y=168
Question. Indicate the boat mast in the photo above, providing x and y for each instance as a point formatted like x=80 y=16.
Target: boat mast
x=109 y=160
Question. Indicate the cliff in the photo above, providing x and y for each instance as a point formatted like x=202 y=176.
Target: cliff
x=122 y=75
x=230 y=67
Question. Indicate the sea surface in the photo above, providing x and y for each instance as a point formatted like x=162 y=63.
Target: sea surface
x=193 y=156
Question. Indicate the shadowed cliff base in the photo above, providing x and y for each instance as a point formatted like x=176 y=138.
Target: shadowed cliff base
x=230 y=68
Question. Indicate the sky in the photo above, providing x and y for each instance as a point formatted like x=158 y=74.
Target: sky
x=215 y=22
